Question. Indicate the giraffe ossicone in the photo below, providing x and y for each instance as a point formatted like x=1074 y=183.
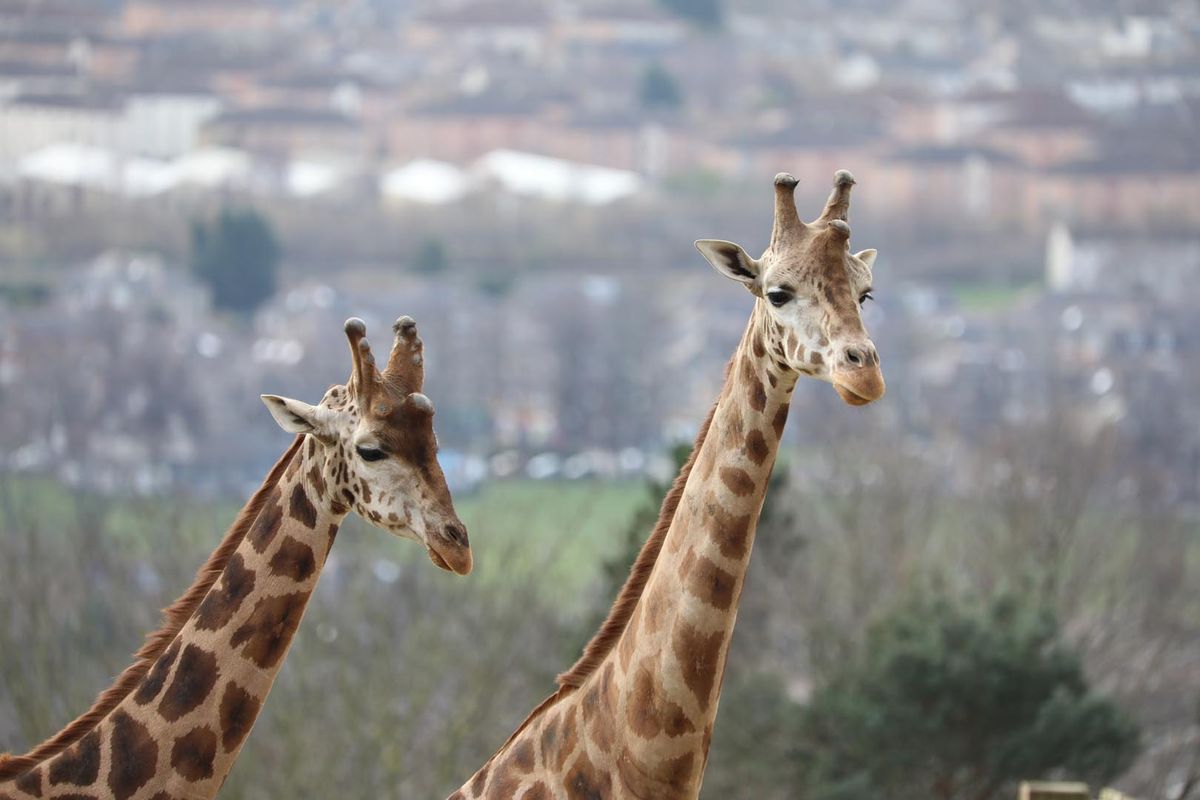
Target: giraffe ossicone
x=633 y=717
x=174 y=722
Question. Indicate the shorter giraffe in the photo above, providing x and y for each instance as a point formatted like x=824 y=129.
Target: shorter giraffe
x=174 y=722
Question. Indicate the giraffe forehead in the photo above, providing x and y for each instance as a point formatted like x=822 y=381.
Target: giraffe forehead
x=807 y=266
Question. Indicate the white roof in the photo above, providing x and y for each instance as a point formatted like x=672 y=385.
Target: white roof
x=213 y=166
x=555 y=178
x=425 y=181
x=310 y=177
x=146 y=177
x=70 y=164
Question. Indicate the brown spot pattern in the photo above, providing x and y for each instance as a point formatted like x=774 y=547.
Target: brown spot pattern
x=650 y=712
x=549 y=738
x=504 y=784
x=317 y=480
x=238 y=711
x=667 y=783
x=31 y=782
x=586 y=782
x=134 y=756
x=730 y=531
x=301 y=508
x=80 y=764
x=267 y=524
x=222 y=602
x=699 y=656
x=569 y=740
x=153 y=682
x=686 y=564
x=757 y=395
x=270 y=628
x=712 y=584
x=780 y=420
x=657 y=607
x=194 y=680
x=193 y=753
x=294 y=464
x=523 y=755
x=539 y=791
x=756 y=447
x=480 y=779
x=737 y=480
x=294 y=559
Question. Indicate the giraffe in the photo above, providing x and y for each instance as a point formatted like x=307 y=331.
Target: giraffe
x=173 y=723
x=634 y=716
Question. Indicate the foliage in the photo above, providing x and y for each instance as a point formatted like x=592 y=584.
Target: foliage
x=754 y=749
x=659 y=89
x=237 y=256
x=431 y=258
x=707 y=13
x=951 y=701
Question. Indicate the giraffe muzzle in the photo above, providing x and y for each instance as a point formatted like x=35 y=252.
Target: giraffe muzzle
x=450 y=549
x=859 y=386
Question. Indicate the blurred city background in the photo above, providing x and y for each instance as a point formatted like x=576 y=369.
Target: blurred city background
x=194 y=194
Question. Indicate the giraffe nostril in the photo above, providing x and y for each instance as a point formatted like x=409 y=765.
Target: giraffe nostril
x=855 y=356
x=456 y=534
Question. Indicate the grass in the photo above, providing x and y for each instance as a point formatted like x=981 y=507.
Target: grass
x=571 y=526
x=987 y=297
x=559 y=532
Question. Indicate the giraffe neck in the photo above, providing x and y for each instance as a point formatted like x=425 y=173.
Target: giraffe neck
x=179 y=732
x=640 y=724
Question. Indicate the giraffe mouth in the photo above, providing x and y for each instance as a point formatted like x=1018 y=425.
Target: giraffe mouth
x=849 y=396
x=456 y=559
x=859 y=387
x=438 y=560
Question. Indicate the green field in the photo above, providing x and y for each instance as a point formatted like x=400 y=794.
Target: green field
x=987 y=297
x=559 y=530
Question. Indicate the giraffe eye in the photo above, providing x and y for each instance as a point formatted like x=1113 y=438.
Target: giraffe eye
x=865 y=297
x=370 y=453
x=778 y=297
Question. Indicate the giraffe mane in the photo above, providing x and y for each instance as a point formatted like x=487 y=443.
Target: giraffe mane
x=174 y=617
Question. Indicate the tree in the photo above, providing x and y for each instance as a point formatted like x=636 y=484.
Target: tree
x=953 y=701
x=659 y=89
x=431 y=257
x=707 y=13
x=237 y=256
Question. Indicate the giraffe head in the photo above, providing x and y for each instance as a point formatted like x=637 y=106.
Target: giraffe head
x=375 y=439
x=810 y=291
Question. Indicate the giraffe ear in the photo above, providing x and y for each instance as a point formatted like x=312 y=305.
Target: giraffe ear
x=730 y=260
x=295 y=416
x=867 y=257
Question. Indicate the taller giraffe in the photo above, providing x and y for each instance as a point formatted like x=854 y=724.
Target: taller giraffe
x=174 y=722
x=633 y=717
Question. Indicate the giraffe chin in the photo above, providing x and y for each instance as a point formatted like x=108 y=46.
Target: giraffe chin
x=438 y=560
x=864 y=394
x=849 y=396
x=461 y=566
